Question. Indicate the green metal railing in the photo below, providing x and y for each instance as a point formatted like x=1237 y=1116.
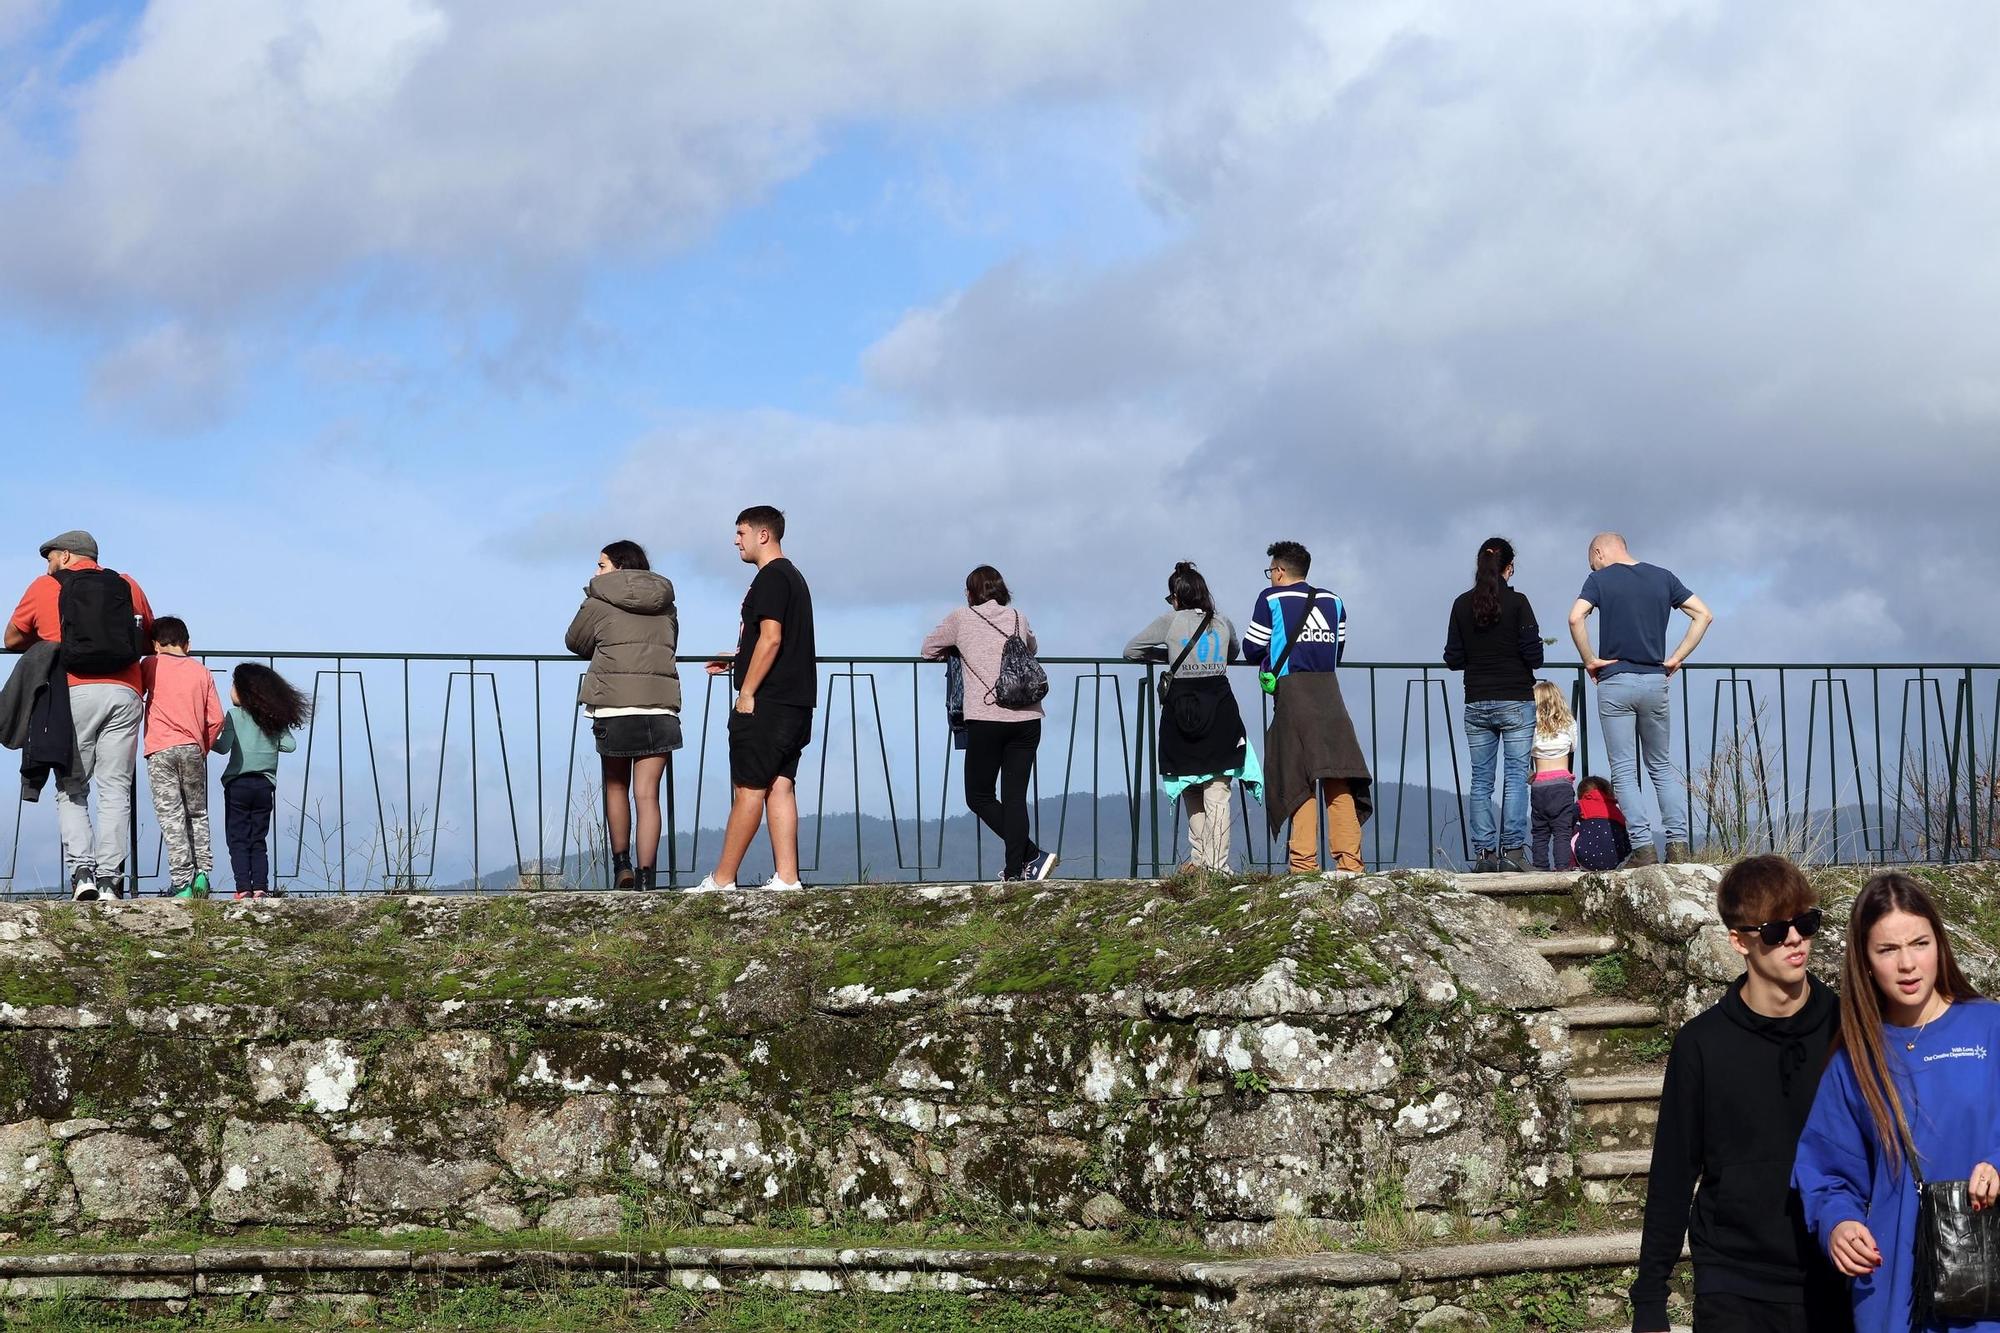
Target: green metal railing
x=452 y=771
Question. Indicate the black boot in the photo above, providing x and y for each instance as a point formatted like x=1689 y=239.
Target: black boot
x=621 y=870
x=646 y=879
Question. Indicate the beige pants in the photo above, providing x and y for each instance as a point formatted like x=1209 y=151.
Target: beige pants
x=1343 y=831
x=1207 y=808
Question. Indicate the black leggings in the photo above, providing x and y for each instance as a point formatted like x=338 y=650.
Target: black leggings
x=247 y=803
x=1003 y=750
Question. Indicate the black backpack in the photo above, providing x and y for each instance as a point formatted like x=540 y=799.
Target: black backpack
x=100 y=626
x=1021 y=682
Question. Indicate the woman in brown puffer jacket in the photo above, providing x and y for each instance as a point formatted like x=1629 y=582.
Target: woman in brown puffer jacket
x=628 y=629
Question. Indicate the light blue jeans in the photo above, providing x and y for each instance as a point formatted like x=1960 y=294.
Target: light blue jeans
x=107 y=718
x=1491 y=728
x=1633 y=710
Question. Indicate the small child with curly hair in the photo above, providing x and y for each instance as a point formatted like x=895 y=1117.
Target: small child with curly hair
x=264 y=711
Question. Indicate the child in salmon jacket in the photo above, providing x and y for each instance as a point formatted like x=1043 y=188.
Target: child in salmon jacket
x=183 y=719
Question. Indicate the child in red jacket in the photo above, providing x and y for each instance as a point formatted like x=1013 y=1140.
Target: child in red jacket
x=1601 y=840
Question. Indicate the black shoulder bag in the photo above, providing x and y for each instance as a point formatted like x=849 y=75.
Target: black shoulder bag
x=1166 y=682
x=1957 y=1273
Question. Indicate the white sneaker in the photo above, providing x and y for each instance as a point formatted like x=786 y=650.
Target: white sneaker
x=111 y=886
x=708 y=885
x=782 y=886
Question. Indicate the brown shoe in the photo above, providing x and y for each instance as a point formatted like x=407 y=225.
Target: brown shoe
x=1641 y=856
x=1678 y=853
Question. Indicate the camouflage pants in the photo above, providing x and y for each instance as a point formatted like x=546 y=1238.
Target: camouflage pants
x=179 y=778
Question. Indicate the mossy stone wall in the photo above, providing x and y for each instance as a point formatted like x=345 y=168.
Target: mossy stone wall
x=1230 y=1055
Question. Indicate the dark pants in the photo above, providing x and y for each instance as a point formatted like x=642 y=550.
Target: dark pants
x=1718 y=1313
x=1552 y=823
x=247 y=803
x=1003 y=750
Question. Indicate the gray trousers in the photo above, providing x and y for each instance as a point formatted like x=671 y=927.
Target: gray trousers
x=178 y=776
x=1207 y=807
x=107 y=748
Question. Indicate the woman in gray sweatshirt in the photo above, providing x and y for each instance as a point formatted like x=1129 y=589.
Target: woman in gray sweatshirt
x=1203 y=743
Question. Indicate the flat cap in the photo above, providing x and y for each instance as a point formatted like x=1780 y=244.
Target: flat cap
x=76 y=541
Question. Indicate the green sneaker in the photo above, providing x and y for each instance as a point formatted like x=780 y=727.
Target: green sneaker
x=198 y=889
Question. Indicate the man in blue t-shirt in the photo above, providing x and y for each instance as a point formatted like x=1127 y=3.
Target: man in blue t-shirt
x=1631 y=667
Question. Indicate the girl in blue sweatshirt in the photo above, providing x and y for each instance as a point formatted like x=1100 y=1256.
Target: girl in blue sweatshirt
x=1916 y=1062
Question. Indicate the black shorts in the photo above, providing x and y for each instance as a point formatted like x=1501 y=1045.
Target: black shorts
x=765 y=745
x=636 y=735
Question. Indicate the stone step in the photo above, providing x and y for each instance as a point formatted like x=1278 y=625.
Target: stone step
x=1606 y=1050
x=1618 y=1126
x=1610 y=1014
x=1617 y=1164
x=1575 y=946
x=317 y=1285
x=1628 y=1087
x=1509 y=884
x=1623 y=1198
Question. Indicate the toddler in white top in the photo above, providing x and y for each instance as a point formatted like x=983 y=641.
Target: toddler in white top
x=1552 y=788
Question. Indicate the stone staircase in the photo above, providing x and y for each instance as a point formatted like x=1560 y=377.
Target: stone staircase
x=1619 y=1047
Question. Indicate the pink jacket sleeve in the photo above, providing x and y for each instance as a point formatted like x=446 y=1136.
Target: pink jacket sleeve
x=941 y=639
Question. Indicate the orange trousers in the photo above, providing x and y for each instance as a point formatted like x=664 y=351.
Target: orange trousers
x=1343 y=830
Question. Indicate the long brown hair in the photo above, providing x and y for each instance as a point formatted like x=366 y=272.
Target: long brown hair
x=1489 y=576
x=1860 y=1032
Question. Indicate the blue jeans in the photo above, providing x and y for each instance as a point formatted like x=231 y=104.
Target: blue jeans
x=1490 y=727
x=1633 y=709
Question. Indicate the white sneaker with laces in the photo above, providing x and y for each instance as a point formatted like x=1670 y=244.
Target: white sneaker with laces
x=777 y=885
x=708 y=885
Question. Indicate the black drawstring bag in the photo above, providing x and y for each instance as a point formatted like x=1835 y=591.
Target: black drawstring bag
x=1021 y=682
x=1957 y=1272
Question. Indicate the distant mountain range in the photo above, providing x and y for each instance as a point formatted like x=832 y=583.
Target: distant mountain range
x=1102 y=848
x=886 y=852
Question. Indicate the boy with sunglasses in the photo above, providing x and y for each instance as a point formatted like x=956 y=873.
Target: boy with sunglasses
x=1739 y=1086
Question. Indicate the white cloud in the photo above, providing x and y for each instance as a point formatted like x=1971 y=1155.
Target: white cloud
x=1718 y=275
x=170 y=378
x=1702 y=272
x=246 y=151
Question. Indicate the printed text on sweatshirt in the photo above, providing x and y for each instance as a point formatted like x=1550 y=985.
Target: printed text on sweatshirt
x=1280 y=618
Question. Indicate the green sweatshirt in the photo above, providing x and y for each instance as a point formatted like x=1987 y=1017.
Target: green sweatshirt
x=250 y=748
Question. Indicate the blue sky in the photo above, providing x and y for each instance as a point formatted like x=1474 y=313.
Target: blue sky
x=362 y=324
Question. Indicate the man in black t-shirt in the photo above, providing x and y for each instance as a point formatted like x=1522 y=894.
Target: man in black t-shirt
x=777 y=684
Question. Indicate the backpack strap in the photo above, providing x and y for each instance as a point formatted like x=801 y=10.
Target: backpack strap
x=1278 y=667
x=1188 y=647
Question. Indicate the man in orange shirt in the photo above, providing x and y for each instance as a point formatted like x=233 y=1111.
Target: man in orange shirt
x=103 y=622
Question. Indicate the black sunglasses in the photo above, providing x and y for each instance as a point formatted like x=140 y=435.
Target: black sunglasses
x=1773 y=933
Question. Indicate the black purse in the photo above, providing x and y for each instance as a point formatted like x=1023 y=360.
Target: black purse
x=1957 y=1273
x=1165 y=685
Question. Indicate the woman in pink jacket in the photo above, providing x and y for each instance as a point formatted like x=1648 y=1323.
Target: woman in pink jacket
x=1000 y=741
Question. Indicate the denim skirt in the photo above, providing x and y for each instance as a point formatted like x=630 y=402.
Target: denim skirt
x=636 y=735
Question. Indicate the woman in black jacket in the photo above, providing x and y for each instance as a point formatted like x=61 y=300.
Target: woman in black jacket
x=1493 y=638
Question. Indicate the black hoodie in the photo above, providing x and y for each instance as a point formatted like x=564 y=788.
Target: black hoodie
x=1738 y=1089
